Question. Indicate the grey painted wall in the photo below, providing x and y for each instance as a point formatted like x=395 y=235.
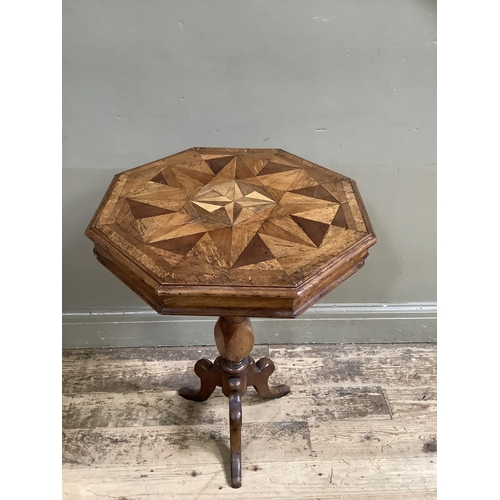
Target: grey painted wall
x=350 y=85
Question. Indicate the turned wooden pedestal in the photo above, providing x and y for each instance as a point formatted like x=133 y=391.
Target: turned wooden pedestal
x=234 y=370
x=234 y=233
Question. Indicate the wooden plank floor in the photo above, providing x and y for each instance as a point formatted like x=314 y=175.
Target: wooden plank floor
x=360 y=423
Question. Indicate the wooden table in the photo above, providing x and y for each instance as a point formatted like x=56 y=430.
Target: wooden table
x=232 y=233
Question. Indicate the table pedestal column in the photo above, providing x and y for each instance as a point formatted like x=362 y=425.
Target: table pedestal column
x=234 y=370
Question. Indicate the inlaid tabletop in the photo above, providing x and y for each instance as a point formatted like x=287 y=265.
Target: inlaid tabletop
x=232 y=216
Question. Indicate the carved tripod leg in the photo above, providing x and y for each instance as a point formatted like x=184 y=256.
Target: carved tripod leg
x=233 y=371
x=210 y=378
x=235 y=420
x=258 y=375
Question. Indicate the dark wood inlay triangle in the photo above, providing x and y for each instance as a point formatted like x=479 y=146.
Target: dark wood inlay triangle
x=159 y=179
x=256 y=251
x=275 y=168
x=242 y=171
x=202 y=177
x=314 y=229
x=180 y=245
x=141 y=210
x=316 y=192
x=271 y=229
x=217 y=164
x=339 y=219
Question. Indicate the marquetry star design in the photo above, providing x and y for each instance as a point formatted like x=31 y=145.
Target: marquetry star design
x=231 y=200
x=229 y=214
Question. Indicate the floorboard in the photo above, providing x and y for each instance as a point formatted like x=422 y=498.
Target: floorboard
x=359 y=423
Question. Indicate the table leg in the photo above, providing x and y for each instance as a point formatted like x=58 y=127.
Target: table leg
x=258 y=375
x=235 y=419
x=210 y=377
x=234 y=370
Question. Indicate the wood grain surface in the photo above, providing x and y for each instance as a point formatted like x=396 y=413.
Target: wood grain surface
x=262 y=219
x=360 y=423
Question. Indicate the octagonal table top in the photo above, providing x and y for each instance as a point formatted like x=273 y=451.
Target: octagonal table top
x=237 y=218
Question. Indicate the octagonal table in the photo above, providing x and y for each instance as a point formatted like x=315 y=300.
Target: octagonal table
x=232 y=233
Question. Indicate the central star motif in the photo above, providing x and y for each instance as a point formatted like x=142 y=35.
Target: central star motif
x=231 y=201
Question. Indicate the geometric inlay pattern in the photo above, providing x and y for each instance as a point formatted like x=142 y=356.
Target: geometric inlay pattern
x=230 y=216
x=231 y=201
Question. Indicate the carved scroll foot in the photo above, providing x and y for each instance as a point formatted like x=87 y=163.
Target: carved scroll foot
x=210 y=377
x=258 y=375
